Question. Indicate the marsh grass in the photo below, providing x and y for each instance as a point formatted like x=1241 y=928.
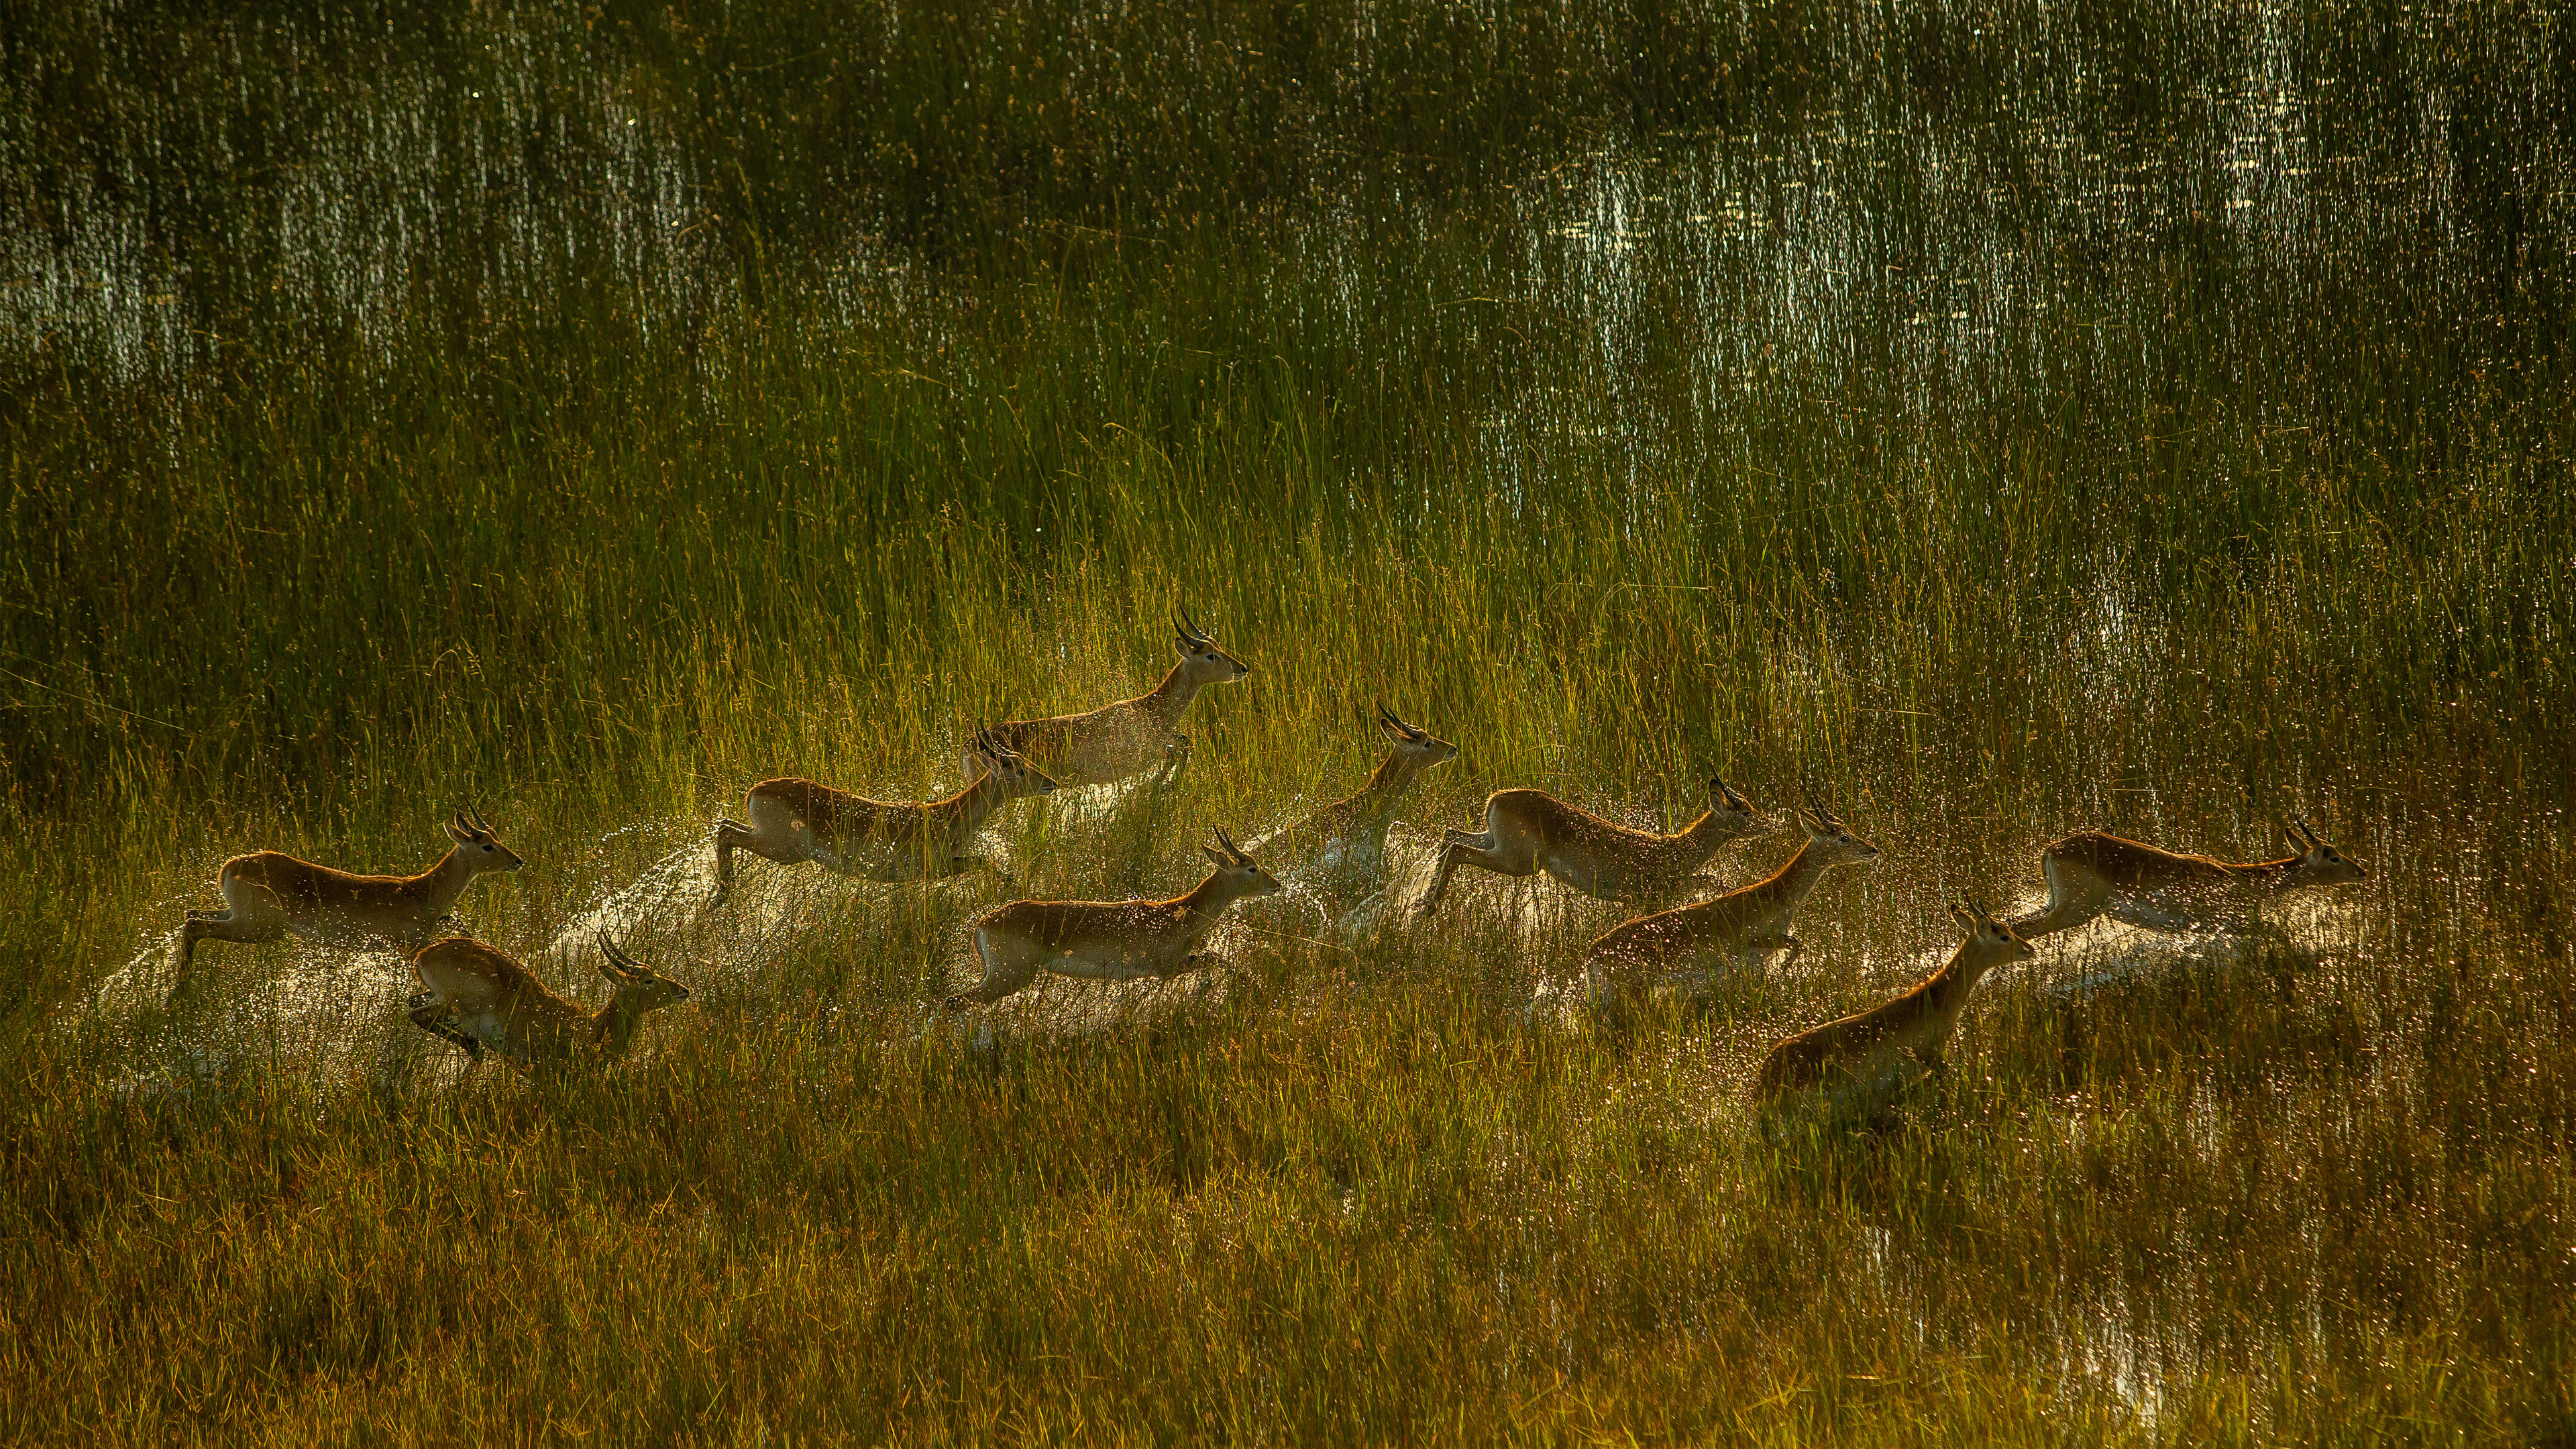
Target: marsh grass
x=1894 y=411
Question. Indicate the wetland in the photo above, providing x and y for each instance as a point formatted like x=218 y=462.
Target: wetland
x=2009 y=419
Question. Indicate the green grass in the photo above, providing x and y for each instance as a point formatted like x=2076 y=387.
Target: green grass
x=1907 y=406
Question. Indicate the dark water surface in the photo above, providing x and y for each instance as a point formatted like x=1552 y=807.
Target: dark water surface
x=2019 y=419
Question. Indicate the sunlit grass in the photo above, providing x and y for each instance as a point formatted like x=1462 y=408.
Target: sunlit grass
x=1998 y=499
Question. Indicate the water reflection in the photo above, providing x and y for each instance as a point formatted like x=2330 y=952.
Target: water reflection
x=1877 y=300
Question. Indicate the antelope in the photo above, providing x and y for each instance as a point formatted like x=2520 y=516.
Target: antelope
x=482 y=1000
x=1350 y=834
x=2093 y=874
x=1111 y=940
x=1127 y=736
x=794 y=821
x=1527 y=831
x=1874 y=1045
x=1738 y=925
x=267 y=894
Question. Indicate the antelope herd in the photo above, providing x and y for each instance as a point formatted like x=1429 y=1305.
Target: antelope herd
x=482 y=1000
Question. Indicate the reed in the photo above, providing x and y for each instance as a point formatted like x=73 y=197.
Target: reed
x=1628 y=391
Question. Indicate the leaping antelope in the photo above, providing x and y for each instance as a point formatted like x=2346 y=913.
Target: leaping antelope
x=482 y=1000
x=1128 y=736
x=794 y=821
x=1735 y=927
x=1111 y=940
x=267 y=894
x=1527 y=831
x=1348 y=837
x=1874 y=1045
x=2093 y=874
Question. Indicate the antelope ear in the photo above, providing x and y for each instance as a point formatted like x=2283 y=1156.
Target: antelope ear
x=1214 y=859
x=456 y=831
x=2297 y=846
x=1963 y=915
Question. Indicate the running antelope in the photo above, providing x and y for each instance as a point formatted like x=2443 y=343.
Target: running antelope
x=794 y=821
x=2093 y=874
x=482 y=1000
x=267 y=894
x=1129 y=736
x=1348 y=837
x=1527 y=831
x=1111 y=940
x=1876 y=1044
x=1738 y=926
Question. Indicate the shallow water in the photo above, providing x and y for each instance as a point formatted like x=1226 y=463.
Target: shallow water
x=2225 y=414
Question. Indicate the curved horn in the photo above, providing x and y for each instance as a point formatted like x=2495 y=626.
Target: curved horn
x=2306 y=829
x=625 y=966
x=1190 y=629
x=1815 y=806
x=1231 y=848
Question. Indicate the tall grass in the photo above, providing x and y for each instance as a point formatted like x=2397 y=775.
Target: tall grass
x=1931 y=419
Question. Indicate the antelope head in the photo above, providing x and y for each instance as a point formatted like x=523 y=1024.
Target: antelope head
x=1830 y=836
x=1990 y=942
x=1202 y=660
x=1010 y=769
x=475 y=842
x=2320 y=863
x=1421 y=747
x=1734 y=814
x=1236 y=873
x=640 y=988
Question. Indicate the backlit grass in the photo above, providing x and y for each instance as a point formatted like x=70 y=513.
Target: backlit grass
x=1895 y=409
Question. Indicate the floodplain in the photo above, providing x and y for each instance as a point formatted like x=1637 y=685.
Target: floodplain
x=2011 y=419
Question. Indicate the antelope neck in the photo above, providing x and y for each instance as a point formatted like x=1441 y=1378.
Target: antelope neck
x=1391 y=778
x=1702 y=828
x=971 y=806
x=2268 y=874
x=615 y=1026
x=1957 y=977
x=448 y=880
x=1171 y=698
x=1788 y=886
x=1209 y=897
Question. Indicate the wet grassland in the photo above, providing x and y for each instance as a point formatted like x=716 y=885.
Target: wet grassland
x=2014 y=419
